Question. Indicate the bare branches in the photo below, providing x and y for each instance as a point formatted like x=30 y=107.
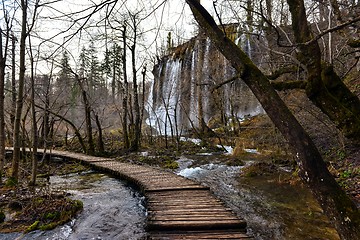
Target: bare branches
x=230 y=80
x=330 y=30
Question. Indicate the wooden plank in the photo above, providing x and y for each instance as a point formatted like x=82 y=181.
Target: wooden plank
x=195 y=225
x=194 y=214
x=192 y=218
x=199 y=210
x=189 y=236
x=228 y=234
x=191 y=204
x=184 y=201
x=183 y=192
x=190 y=187
x=193 y=207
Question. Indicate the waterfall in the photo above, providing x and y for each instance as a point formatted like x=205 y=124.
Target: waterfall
x=166 y=101
x=178 y=79
x=193 y=101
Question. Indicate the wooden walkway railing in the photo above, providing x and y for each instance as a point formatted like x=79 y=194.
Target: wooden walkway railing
x=178 y=208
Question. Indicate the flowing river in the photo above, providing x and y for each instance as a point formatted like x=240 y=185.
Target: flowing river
x=112 y=210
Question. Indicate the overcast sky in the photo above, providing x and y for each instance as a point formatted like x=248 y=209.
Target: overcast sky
x=174 y=16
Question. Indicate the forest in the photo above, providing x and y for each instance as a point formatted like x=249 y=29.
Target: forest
x=127 y=79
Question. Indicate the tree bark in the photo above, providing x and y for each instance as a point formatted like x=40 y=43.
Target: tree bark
x=13 y=82
x=125 y=93
x=137 y=131
x=100 y=136
x=20 y=97
x=34 y=130
x=324 y=88
x=340 y=209
x=2 y=110
x=88 y=122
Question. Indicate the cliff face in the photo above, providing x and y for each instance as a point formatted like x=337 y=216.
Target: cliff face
x=183 y=92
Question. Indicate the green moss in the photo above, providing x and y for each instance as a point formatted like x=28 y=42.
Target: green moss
x=51 y=215
x=171 y=164
x=11 y=182
x=49 y=226
x=32 y=227
x=78 y=205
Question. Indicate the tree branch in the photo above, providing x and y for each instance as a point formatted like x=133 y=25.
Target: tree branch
x=288 y=85
x=333 y=29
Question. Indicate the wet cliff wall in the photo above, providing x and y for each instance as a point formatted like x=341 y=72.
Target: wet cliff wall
x=184 y=90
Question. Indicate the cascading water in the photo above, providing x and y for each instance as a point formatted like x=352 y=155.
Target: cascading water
x=184 y=84
x=193 y=101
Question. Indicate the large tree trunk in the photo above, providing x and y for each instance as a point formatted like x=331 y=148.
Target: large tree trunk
x=34 y=131
x=135 y=144
x=125 y=91
x=324 y=87
x=20 y=97
x=340 y=209
x=2 y=110
x=13 y=82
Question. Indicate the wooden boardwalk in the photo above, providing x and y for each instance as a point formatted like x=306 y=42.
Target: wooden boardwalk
x=178 y=208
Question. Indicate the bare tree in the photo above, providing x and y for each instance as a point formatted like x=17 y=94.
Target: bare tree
x=3 y=56
x=125 y=91
x=20 y=93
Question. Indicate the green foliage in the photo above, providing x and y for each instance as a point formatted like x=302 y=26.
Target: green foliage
x=346 y=174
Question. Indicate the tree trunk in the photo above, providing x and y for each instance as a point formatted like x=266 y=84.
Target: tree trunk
x=13 y=82
x=125 y=93
x=143 y=73
x=324 y=87
x=88 y=122
x=2 y=110
x=100 y=136
x=135 y=144
x=46 y=118
x=340 y=209
x=34 y=124
x=20 y=97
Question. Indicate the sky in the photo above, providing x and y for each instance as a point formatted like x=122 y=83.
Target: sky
x=159 y=19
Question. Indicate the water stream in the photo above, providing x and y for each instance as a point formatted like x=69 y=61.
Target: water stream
x=273 y=209
x=112 y=210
